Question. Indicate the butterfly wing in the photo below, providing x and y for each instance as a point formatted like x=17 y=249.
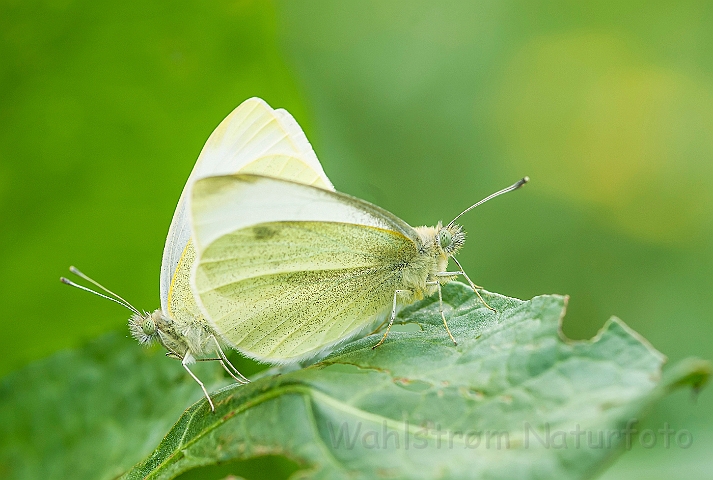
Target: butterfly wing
x=254 y=138
x=284 y=270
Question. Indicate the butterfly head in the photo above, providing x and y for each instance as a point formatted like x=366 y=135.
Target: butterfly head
x=144 y=327
x=450 y=238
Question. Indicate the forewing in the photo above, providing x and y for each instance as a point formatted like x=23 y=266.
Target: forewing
x=284 y=270
x=284 y=291
x=256 y=139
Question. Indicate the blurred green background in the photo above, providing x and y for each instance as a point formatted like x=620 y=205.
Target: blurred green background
x=420 y=107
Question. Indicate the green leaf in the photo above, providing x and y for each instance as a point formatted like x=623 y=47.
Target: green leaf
x=513 y=400
x=92 y=413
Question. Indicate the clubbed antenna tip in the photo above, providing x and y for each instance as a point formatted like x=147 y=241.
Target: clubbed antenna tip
x=512 y=187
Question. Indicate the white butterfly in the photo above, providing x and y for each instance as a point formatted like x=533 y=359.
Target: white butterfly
x=265 y=257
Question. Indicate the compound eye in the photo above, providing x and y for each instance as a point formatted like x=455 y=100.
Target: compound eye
x=445 y=239
x=149 y=327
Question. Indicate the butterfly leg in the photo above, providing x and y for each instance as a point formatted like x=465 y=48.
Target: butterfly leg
x=175 y=356
x=186 y=360
x=225 y=362
x=440 y=305
x=381 y=325
x=240 y=381
x=391 y=320
x=472 y=285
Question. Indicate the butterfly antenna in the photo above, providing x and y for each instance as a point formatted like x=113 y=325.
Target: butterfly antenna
x=114 y=297
x=512 y=187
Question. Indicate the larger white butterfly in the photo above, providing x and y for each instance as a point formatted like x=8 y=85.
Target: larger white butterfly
x=264 y=256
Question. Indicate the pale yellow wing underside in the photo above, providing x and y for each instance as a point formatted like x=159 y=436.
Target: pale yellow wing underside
x=283 y=291
x=181 y=305
x=284 y=270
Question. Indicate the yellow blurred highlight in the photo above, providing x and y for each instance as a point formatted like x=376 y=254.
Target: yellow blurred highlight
x=590 y=122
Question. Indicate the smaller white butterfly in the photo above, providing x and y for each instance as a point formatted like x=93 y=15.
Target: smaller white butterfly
x=255 y=139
